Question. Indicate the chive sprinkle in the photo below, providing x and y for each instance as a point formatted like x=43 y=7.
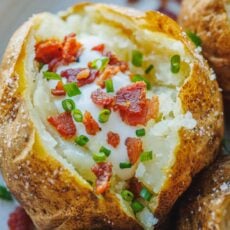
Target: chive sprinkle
x=104 y=115
x=137 y=58
x=127 y=195
x=100 y=63
x=82 y=140
x=99 y=157
x=72 y=89
x=146 y=156
x=148 y=70
x=194 y=38
x=125 y=165
x=51 y=76
x=77 y=115
x=175 y=63
x=138 y=77
x=137 y=206
x=140 y=132
x=68 y=105
x=109 y=86
x=104 y=150
x=145 y=194
x=5 y=194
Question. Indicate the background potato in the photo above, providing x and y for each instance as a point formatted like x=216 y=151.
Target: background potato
x=210 y=20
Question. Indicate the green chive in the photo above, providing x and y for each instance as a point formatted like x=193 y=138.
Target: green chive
x=68 y=105
x=138 y=77
x=104 y=115
x=77 y=115
x=148 y=70
x=90 y=182
x=194 y=38
x=140 y=132
x=137 y=58
x=72 y=89
x=100 y=63
x=99 y=157
x=146 y=156
x=109 y=86
x=81 y=140
x=127 y=195
x=104 y=150
x=5 y=194
x=137 y=206
x=175 y=63
x=125 y=165
x=51 y=76
x=145 y=194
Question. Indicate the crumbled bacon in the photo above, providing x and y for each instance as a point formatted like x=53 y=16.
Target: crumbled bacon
x=153 y=108
x=134 y=148
x=114 y=61
x=59 y=89
x=55 y=63
x=101 y=98
x=135 y=187
x=100 y=48
x=92 y=76
x=83 y=74
x=19 y=220
x=113 y=139
x=71 y=74
x=103 y=172
x=64 y=124
x=91 y=125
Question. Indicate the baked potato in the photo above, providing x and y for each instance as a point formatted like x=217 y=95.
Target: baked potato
x=209 y=19
x=206 y=205
x=106 y=114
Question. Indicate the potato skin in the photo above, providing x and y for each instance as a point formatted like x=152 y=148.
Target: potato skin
x=209 y=20
x=206 y=205
x=63 y=201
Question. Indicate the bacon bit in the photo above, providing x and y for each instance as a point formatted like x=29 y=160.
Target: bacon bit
x=103 y=172
x=19 y=220
x=48 y=50
x=101 y=98
x=83 y=74
x=71 y=74
x=114 y=61
x=100 y=48
x=134 y=149
x=59 y=90
x=108 y=73
x=64 y=124
x=91 y=125
x=135 y=187
x=55 y=63
x=92 y=76
x=113 y=139
x=153 y=108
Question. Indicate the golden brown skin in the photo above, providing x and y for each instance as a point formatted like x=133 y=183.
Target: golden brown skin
x=209 y=20
x=207 y=203
x=63 y=200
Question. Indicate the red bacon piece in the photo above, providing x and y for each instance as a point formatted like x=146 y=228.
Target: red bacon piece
x=153 y=108
x=135 y=187
x=114 y=61
x=92 y=76
x=64 y=124
x=59 y=89
x=113 y=139
x=101 y=98
x=103 y=172
x=100 y=48
x=91 y=125
x=134 y=149
x=48 y=50
x=71 y=74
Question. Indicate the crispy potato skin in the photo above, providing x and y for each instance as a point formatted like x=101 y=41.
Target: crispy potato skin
x=209 y=19
x=206 y=205
x=63 y=201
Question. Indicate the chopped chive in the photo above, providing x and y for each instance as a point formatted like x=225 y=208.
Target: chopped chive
x=77 y=115
x=194 y=38
x=145 y=194
x=68 y=105
x=104 y=115
x=137 y=206
x=125 y=165
x=5 y=194
x=146 y=156
x=148 y=70
x=100 y=63
x=104 y=150
x=127 y=195
x=140 y=132
x=51 y=76
x=99 y=157
x=175 y=63
x=72 y=89
x=137 y=58
x=138 y=77
x=90 y=182
x=109 y=86
x=81 y=140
